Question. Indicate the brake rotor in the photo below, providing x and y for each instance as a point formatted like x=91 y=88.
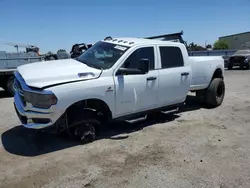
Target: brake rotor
x=85 y=133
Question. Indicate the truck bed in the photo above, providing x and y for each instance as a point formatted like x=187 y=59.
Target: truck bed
x=203 y=69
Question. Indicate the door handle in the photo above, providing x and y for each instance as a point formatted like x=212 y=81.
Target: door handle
x=185 y=73
x=152 y=78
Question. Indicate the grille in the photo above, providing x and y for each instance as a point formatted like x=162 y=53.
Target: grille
x=23 y=119
x=238 y=59
x=19 y=89
x=41 y=120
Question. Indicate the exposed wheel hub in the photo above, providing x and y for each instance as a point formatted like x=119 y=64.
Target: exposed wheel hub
x=85 y=133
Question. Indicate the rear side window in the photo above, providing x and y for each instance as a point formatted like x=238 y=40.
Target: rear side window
x=145 y=52
x=171 y=57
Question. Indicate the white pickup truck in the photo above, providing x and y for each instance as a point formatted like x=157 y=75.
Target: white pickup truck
x=115 y=79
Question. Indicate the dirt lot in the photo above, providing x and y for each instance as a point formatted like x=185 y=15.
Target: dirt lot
x=195 y=148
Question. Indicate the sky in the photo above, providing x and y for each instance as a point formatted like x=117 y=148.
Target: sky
x=58 y=24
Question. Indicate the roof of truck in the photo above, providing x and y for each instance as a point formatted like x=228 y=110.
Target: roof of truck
x=135 y=41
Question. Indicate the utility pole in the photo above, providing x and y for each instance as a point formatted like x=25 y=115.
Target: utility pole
x=16 y=46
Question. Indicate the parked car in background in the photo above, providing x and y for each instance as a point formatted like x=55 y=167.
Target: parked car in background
x=239 y=58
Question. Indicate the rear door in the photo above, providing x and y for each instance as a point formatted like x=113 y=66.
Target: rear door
x=174 y=76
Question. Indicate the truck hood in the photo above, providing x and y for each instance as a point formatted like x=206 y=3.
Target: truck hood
x=47 y=73
x=241 y=55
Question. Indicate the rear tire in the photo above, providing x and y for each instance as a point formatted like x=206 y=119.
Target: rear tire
x=200 y=94
x=213 y=95
x=215 y=92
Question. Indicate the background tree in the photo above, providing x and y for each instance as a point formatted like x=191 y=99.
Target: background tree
x=221 y=45
x=209 y=46
x=195 y=47
x=61 y=50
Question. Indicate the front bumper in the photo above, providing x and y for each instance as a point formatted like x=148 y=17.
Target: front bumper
x=238 y=61
x=27 y=117
x=30 y=116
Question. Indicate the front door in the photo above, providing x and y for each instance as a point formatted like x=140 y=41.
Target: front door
x=136 y=93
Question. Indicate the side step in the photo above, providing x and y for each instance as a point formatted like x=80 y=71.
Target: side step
x=137 y=119
x=170 y=110
x=143 y=118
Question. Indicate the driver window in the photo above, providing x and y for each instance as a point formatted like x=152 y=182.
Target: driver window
x=133 y=60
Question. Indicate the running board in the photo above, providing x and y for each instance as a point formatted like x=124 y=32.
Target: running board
x=170 y=111
x=137 y=119
x=141 y=116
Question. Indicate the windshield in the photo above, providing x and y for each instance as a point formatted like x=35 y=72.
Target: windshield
x=102 y=55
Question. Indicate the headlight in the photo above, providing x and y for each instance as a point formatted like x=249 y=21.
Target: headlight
x=40 y=100
x=246 y=60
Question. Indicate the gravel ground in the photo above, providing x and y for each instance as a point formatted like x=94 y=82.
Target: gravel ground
x=195 y=148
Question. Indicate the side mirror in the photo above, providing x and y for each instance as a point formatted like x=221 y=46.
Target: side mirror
x=144 y=65
x=127 y=71
x=142 y=69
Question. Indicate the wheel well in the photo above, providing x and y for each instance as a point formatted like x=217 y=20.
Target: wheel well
x=218 y=74
x=97 y=105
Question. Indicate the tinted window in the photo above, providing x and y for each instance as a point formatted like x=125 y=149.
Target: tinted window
x=133 y=59
x=171 y=57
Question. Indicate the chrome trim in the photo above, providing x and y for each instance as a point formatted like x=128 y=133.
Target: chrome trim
x=20 y=86
x=30 y=114
x=26 y=109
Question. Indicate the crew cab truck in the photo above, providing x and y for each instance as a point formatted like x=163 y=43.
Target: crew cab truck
x=115 y=79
